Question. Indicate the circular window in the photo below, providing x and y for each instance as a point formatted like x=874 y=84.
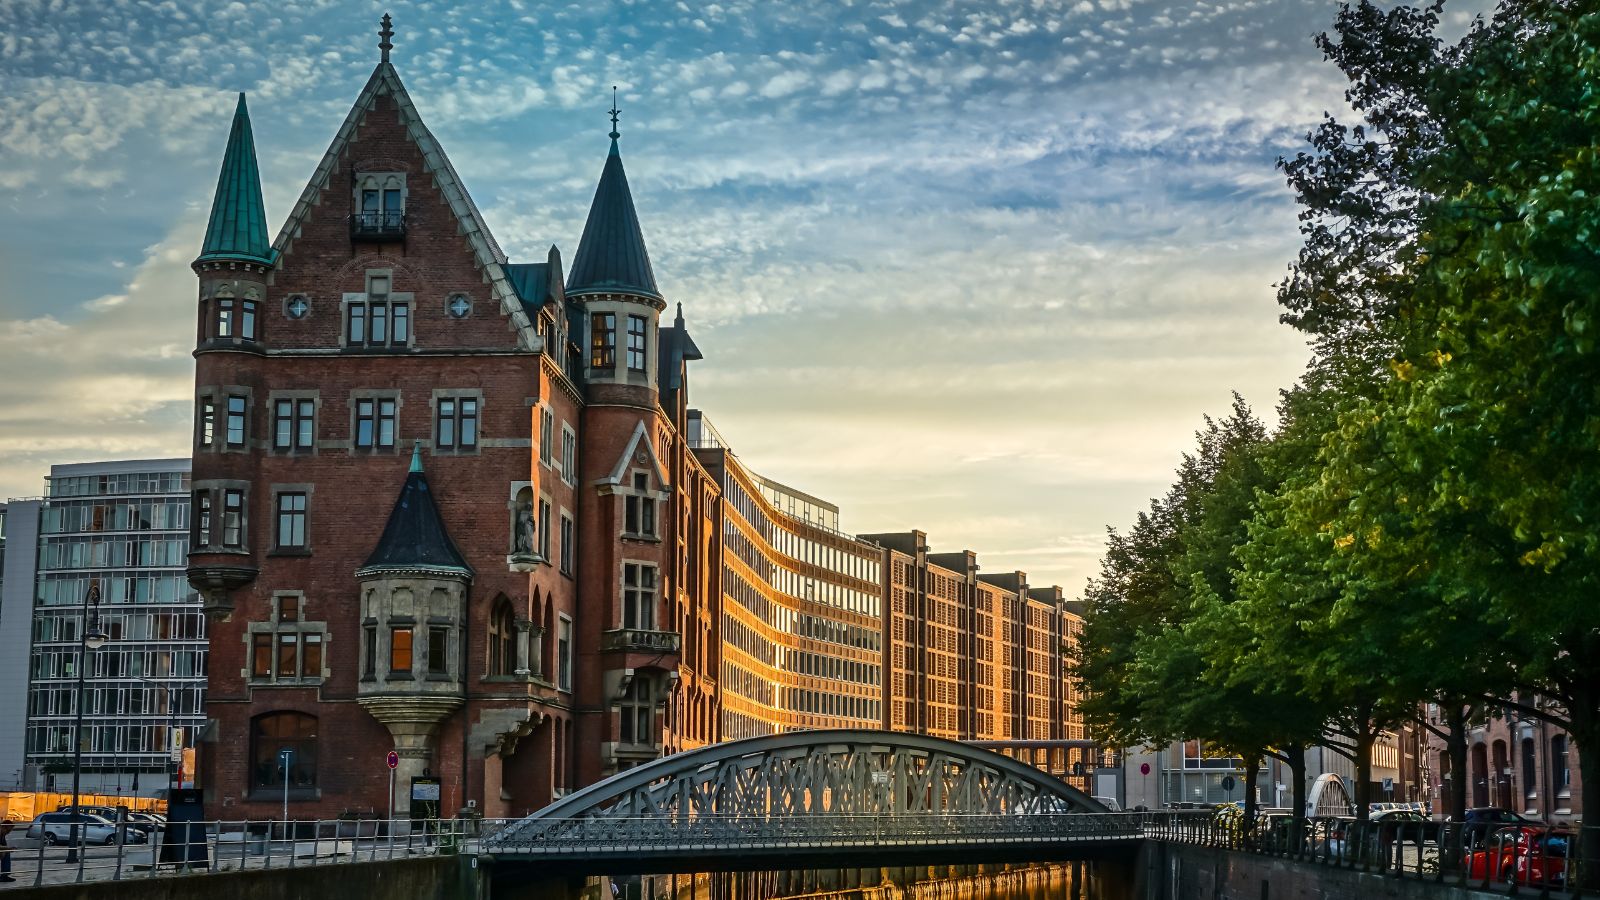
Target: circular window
x=297 y=307
x=458 y=307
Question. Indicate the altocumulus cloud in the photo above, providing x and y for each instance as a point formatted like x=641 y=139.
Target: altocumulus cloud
x=971 y=266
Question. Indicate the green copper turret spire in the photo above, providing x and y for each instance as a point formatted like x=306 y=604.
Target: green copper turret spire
x=238 y=227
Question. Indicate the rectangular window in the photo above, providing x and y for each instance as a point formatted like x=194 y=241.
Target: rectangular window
x=207 y=422
x=201 y=535
x=569 y=456
x=311 y=656
x=247 y=320
x=291 y=521
x=638 y=713
x=456 y=424
x=225 y=318
x=639 y=509
x=288 y=608
x=547 y=423
x=375 y=419
x=636 y=343
x=566 y=545
x=288 y=645
x=639 y=596
x=378 y=323
x=603 y=340
x=564 y=655
x=233 y=518
x=369 y=644
x=438 y=650
x=236 y=420
x=261 y=655
x=544 y=530
x=294 y=425
x=399 y=650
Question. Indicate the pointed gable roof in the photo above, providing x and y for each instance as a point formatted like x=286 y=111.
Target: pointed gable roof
x=415 y=539
x=238 y=225
x=491 y=260
x=611 y=257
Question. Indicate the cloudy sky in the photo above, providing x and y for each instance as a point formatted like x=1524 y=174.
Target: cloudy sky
x=971 y=266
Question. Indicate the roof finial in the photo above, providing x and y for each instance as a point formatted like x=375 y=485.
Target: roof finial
x=384 y=34
x=416 y=456
x=614 y=114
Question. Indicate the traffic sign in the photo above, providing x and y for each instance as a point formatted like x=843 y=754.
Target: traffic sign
x=393 y=759
x=1144 y=768
x=1228 y=783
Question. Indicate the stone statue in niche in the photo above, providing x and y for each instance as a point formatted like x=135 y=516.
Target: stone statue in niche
x=525 y=527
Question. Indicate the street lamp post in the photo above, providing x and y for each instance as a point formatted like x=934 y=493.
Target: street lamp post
x=89 y=638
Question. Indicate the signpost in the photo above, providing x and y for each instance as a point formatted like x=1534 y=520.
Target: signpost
x=1144 y=769
x=285 y=756
x=1227 y=784
x=393 y=760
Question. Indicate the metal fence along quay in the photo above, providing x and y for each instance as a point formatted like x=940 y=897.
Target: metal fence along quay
x=1520 y=859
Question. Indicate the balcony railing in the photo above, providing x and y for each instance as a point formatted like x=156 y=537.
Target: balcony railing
x=377 y=226
x=641 y=639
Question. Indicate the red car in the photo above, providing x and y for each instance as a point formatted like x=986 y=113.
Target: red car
x=1521 y=855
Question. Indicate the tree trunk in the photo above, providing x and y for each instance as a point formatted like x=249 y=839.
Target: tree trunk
x=1585 y=735
x=1252 y=771
x=1365 y=732
x=1456 y=746
x=1297 y=772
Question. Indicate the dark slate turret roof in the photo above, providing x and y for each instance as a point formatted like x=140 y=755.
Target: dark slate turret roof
x=611 y=257
x=415 y=538
x=238 y=226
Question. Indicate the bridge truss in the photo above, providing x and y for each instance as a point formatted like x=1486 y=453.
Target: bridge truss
x=813 y=792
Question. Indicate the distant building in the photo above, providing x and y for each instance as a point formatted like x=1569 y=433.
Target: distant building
x=1514 y=762
x=124 y=525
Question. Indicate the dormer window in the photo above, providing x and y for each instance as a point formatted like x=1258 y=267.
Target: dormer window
x=639 y=509
x=380 y=207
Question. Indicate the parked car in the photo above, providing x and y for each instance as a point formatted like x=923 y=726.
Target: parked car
x=1521 y=854
x=1405 y=825
x=142 y=821
x=1482 y=821
x=56 y=828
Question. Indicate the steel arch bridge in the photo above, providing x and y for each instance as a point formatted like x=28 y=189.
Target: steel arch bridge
x=830 y=793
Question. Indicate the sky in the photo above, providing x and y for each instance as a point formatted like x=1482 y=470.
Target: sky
x=975 y=267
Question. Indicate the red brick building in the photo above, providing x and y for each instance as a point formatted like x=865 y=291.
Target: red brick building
x=449 y=504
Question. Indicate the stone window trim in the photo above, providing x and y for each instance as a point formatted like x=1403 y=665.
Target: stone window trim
x=274 y=490
x=288 y=305
x=475 y=393
x=374 y=394
x=450 y=305
x=239 y=293
x=315 y=396
x=569 y=474
x=299 y=627
x=379 y=180
x=631 y=494
x=351 y=298
x=219 y=394
x=644 y=619
x=216 y=489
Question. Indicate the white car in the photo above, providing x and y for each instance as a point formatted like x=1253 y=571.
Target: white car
x=56 y=828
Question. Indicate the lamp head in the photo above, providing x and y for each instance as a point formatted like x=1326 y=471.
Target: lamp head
x=95 y=639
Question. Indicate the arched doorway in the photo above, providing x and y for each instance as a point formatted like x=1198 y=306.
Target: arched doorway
x=1500 y=775
x=1479 y=771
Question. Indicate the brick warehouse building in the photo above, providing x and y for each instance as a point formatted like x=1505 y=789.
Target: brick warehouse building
x=459 y=507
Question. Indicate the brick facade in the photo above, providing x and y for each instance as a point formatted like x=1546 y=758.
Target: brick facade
x=454 y=506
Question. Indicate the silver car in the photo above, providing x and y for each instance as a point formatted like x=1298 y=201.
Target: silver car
x=56 y=828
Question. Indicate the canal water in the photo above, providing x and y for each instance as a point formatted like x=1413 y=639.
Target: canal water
x=1031 y=881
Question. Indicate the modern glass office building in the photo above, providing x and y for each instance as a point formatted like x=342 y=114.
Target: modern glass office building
x=124 y=526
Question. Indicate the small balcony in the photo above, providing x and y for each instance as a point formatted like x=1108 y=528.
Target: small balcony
x=378 y=226
x=641 y=640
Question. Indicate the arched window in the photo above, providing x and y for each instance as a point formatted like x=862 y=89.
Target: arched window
x=283 y=746
x=1560 y=773
x=502 y=639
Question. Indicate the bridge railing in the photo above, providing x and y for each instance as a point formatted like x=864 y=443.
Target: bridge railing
x=42 y=858
x=623 y=835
